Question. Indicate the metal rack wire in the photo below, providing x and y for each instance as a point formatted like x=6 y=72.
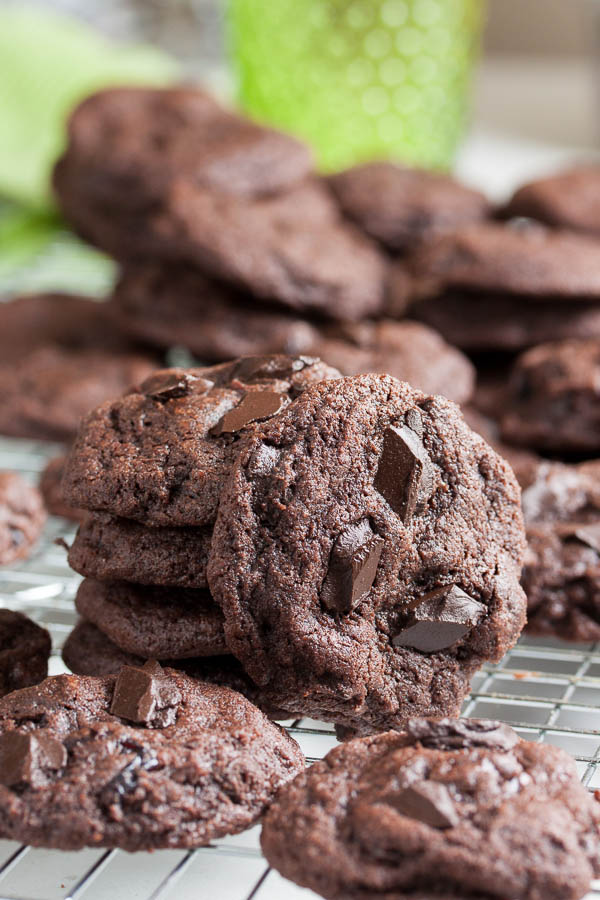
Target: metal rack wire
x=548 y=690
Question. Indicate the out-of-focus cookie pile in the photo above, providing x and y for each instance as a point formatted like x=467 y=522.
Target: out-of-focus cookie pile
x=300 y=517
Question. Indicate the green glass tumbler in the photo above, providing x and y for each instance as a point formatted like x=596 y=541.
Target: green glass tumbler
x=359 y=79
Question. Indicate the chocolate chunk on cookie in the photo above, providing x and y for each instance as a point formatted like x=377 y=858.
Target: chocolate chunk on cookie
x=24 y=651
x=107 y=548
x=565 y=200
x=159 y=454
x=407 y=350
x=401 y=207
x=131 y=143
x=552 y=401
x=22 y=517
x=61 y=356
x=379 y=518
x=146 y=759
x=172 y=305
x=87 y=651
x=154 y=622
x=447 y=809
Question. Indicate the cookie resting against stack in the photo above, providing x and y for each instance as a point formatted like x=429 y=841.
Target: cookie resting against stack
x=146 y=759
x=445 y=809
x=396 y=530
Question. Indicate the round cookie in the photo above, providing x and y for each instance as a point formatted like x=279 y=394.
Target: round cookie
x=133 y=141
x=441 y=811
x=24 y=652
x=561 y=578
x=50 y=486
x=552 y=401
x=407 y=350
x=154 y=622
x=528 y=260
x=159 y=455
x=480 y=322
x=401 y=207
x=179 y=306
x=147 y=759
x=298 y=252
x=61 y=356
x=22 y=517
x=367 y=554
x=87 y=651
x=107 y=548
x=568 y=199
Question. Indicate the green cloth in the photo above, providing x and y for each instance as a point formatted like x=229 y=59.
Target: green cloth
x=48 y=62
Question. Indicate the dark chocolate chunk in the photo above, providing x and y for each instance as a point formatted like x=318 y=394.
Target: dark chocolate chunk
x=145 y=696
x=352 y=568
x=255 y=405
x=428 y=802
x=23 y=757
x=173 y=383
x=441 y=618
x=462 y=734
x=405 y=473
x=252 y=368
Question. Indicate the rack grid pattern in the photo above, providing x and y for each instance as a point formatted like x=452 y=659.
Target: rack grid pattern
x=549 y=691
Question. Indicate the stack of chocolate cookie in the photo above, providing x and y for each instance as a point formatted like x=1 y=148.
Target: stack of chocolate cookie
x=350 y=541
x=230 y=244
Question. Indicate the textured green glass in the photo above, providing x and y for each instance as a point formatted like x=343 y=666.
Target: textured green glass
x=359 y=79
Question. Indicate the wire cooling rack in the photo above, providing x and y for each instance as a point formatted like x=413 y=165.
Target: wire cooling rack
x=548 y=690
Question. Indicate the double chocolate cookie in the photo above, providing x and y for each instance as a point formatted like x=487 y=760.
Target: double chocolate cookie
x=444 y=810
x=154 y=622
x=505 y=287
x=150 y=758
x=87 y=651
x=107 y=548
x=552 y=401
x=402 y=207
x=367 y=554
x=61 y=356
x=22 y=517
x=565 y=200
x=24 y=652
x=159 y=454
x=171 y=305
x=408 y=351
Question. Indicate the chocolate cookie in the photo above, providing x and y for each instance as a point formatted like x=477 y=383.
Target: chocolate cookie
x=132 y=142
x=160 y=454
x=24 y=652
x=407 y=350
x=402 y=207
x=566 y=200
x=22 y=517
x=367 y=554
x=447 y=809
x=61 y=356
x=110 y=549
x=552 y=401
x=480 y=322
x=528 y=261
x=150 y=758
x=50 y=486
x=524 y=463
x=87 y=651
x=562 y=492
x=154 y=622
x=561 y=578
x=171 y=305
x=298 y=252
